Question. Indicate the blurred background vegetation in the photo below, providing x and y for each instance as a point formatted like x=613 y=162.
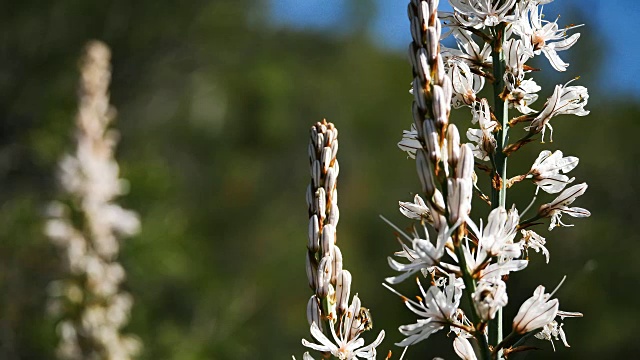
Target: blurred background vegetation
x=214 y=105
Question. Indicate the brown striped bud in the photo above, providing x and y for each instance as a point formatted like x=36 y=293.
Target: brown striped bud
x=320 y=203
x=324 y=277
x=312 y=270
x=464 y=168
x=453 y=145
x=337 y=263
x=314 y=234
x=316 y=173
x=432 y=141
x=343 y=291
x=314 y=313
x=327 y=239
x=425 y=173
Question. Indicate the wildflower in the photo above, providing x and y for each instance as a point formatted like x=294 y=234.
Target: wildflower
x=531 y=240
x=543 y=36
x=535 y=312
x=483 y=137
x=546 y=170
x=437 y=307
x=481 y=13
x=553 y=330
x=496 y=239
x=465 y=84
x=422 y=254
x=489 y=297
x=564 y=100
x=557 y=207
x=417 y=210
x=410 y=143
x=346 y=344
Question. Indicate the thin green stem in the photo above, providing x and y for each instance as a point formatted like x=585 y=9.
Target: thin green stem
x=470 y=288
x=501 y=109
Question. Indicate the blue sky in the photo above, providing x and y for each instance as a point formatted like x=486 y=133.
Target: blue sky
x=615 y=20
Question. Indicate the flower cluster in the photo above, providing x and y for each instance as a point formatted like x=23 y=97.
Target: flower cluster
x=87 y=226
x=328 y=309
x=495 y=40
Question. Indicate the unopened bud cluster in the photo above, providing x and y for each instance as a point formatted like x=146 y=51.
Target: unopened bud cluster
x=328 y=310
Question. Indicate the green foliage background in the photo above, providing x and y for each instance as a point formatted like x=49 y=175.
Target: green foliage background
x=214 y=108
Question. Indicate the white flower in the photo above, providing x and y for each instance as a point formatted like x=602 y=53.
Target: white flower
x=564 y=100
x=489 y=297
x=483 y=137
x=481 y=13
x=463 y=348
x=465 y=84
x=496 y=239
x=532 y=240
x=557 y=207
x=438 y=309
x=523 y=95
x=417 y=210
x=422 y=254
x=410 y=143
x=348 y=344
x=553 y=330
x=544 y=36
x=468 y=50
x=535 y=312
x=546 y=170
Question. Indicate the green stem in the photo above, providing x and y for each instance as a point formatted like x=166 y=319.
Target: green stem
x=501 y=109
x=470 y=288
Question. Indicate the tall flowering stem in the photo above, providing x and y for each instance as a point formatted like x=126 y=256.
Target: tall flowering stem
x=87 y=225
x=335 y=325
x=501 y=111
x=494 y=41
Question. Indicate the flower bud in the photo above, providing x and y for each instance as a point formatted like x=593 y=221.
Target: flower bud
x=319 y=142
x=310 y=202
x=334 y=214
x=312 y=154
x=314 y=234
x=440 y=107
x=425 y=173
x=324 y=276
x=433 y=40
x=336 y=254
x=327 y=240
x=334 y=148
x=432 y=141
x=343 y=290
x=314 y=313
x=464 y=168
x=316 y=173
x=416 y=31
x=463 y=348
x=326 y=158
x=535 y=312
x=320 y=204
x=330 y=180
x=419 y=94
x=453 y=145
x=312 y=270
x=422 y=69
x=459 y=198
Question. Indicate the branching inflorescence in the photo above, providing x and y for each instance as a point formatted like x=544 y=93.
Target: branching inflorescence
x=495 y=39
x=87 y=226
